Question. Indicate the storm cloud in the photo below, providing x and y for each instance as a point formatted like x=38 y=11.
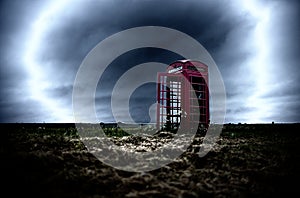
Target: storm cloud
x=254 y=76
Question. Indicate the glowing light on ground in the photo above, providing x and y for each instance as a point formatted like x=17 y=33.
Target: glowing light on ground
x=38 y=79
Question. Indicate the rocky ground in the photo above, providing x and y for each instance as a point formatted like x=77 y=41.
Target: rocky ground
x=247 y=161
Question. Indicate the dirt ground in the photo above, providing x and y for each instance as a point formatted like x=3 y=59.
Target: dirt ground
x=247 y=161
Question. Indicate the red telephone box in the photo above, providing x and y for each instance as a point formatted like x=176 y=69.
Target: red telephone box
x=183 y=96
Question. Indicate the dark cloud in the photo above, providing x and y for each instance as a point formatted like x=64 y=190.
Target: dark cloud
x=64 y=91
x=219 y=26
x=140 y=102
x=21 y=110
x=208 y=22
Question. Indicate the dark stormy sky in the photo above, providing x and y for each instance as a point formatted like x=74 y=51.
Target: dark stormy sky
x=255 y=45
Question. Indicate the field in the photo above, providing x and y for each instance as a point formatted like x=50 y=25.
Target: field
x=49 y=160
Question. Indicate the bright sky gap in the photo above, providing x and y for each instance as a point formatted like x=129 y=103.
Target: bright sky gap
x=259 y=65
x=38 y=81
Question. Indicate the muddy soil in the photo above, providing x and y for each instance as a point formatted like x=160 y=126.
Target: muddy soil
x=246 y=161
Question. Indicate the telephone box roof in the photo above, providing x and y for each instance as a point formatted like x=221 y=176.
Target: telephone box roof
x=193 y=62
